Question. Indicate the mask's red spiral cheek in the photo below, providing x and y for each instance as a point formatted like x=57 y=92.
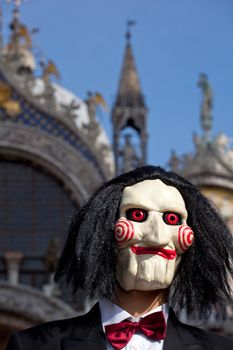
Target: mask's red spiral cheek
x=124 y=231
x=185 y=238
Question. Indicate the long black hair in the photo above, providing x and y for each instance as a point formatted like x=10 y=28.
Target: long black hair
x=90 y=254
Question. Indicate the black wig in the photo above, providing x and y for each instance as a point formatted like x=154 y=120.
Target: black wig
x=90 y=253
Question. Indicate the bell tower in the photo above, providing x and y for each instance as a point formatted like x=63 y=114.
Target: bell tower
x=129 y=115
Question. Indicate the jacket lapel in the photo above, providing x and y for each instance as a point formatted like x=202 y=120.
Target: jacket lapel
x=92 y=342
x=179 y=336
x=87 y=334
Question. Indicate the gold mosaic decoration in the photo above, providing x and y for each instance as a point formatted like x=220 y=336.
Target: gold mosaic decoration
x=12 y=107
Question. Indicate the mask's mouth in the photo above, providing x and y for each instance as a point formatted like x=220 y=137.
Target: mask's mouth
x=165 y=253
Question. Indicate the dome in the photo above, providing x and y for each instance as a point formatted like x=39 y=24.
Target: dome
x=67 y=100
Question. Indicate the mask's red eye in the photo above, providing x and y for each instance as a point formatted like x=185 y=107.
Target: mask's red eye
x=172 y=218
x=135 y=214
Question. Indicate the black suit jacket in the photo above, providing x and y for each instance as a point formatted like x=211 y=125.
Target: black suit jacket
x=86 y=333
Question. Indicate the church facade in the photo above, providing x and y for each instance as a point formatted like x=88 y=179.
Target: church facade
x=53 y=155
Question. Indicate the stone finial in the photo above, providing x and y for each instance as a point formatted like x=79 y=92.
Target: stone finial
x=174 y=162
x=51 y=258
x=13 y=260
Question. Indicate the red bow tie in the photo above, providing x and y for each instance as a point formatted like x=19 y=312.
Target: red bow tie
x=153 y=326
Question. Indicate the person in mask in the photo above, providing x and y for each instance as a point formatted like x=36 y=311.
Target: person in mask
x=146 y=241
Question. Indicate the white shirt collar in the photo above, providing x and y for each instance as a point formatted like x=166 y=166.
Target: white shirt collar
x=112 y=313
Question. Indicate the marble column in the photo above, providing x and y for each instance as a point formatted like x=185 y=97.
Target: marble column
x=13 y=260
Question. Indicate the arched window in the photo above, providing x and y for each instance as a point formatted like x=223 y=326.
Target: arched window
x=35 y=211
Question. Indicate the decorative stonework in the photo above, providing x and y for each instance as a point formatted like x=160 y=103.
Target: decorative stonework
x=46 y=104
x=210 y=167
x=129 y=112
x=78 y=175
x=13 y=260
x=22 y=306
x=211 y=163
x=223 y=199
x=53 y=131
x=24 y=86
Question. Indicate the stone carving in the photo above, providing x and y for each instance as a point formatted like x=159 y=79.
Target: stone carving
x=13 y=260
x=31 y=305
x=51 y=288
x=207 y=104
x=211 y=163
x=17 y=65
x=52 y=153
x=92 y=128
x=174 y=162
x=129 y=110
x=212 y=160
x=89 y=135
x=130 y=160
x=223 y=142
x=70 y=108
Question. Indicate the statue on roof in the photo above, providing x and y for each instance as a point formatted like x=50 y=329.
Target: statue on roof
x=207 y=104
x=20 y=35
x=93 y=101
x=174 y=162
x=92 y=128
x=49 y=69
x=130 y=160
x=18 y=51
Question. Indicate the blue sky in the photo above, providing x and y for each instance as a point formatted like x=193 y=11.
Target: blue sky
x=173 y=41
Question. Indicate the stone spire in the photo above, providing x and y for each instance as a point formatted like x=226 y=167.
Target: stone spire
x=129 y=111
x=129 y=90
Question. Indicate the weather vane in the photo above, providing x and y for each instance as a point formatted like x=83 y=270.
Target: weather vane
x=16 y=2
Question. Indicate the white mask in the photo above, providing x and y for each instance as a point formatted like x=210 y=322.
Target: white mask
x=151 y=234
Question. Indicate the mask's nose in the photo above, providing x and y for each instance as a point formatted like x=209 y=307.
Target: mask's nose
x=154 y=231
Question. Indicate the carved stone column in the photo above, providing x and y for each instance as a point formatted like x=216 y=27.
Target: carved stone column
x=13 y=260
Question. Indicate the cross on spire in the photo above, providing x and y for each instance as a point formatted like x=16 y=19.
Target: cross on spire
x=128 y=34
